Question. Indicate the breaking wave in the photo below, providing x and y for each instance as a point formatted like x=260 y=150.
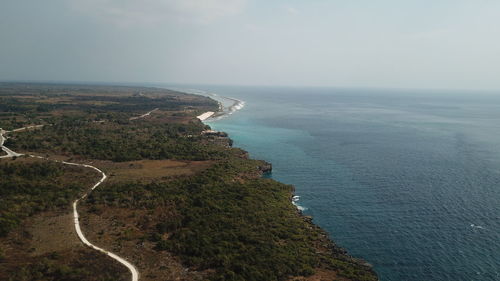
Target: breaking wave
x=295 y=199
x=227 y=106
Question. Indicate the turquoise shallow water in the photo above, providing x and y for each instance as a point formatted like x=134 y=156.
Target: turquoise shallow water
x=409 y=181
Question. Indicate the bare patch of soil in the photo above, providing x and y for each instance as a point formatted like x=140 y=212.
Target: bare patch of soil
x=149 y=170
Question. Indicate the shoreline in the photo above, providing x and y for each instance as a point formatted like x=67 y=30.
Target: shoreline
x=237 y=105
x=223 y=110
x=293 y=198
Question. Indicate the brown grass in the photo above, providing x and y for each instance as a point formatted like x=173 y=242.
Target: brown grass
x=48 y=234
x=151 y=170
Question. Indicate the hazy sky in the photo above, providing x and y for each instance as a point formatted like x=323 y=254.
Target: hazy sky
x=361 y=43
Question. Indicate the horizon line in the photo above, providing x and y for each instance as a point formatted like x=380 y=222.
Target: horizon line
x=161 y=84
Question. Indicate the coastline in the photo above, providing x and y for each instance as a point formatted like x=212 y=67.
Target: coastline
x=326 y=241
x=227 y=105
x=225 y=111
x=237 y=105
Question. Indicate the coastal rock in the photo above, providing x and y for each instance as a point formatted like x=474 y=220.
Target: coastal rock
x=218 y=137
x=213 y=133
x=244 y=154
x=308 y=219
x=266 y=167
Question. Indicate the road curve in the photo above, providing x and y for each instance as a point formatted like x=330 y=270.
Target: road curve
x=10 y=153
x=144 y=115
x=131 y=267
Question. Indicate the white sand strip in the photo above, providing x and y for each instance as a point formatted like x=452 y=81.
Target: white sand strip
x=205 y=115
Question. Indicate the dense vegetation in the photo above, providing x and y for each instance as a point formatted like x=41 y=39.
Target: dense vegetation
x=28 y=188
x=130 y=140
x=225 y=221
x=245 y=229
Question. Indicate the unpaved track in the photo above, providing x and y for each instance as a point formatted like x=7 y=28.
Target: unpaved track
x=133 y=270
x=144 y=115
x=9 y=152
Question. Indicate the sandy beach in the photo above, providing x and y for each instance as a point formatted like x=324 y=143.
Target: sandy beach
x=205 y=115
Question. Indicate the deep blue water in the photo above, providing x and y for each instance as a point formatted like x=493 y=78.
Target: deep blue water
x=407 y=180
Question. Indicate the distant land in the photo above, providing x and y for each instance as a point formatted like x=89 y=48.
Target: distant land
x=126 y=183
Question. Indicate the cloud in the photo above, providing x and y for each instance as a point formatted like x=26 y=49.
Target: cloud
x=130 y=12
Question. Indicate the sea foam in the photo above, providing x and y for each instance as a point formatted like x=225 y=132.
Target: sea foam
x=227 y=105
x=295 y=199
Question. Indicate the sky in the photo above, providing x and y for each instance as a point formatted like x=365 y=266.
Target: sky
x=451 y=44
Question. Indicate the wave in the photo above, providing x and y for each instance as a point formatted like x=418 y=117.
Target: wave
x=226 y=110
x=237 y=105
x=476 y=226
x=300 y=208
x=295 y=199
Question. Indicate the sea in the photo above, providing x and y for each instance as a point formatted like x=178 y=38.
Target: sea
x=408 y=180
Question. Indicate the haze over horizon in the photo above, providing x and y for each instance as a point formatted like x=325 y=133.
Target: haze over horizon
x=385 y=44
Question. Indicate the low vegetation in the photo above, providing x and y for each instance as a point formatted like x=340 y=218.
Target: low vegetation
x=221 y=219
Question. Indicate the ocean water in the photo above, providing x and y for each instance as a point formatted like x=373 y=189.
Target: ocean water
x=407 y=180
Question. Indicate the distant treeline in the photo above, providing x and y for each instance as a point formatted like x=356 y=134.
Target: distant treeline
x=26 y=104
x=99 y=104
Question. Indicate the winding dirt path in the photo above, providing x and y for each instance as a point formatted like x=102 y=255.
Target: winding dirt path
x=9 y=152
x=133 y=270
x=144 y=115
